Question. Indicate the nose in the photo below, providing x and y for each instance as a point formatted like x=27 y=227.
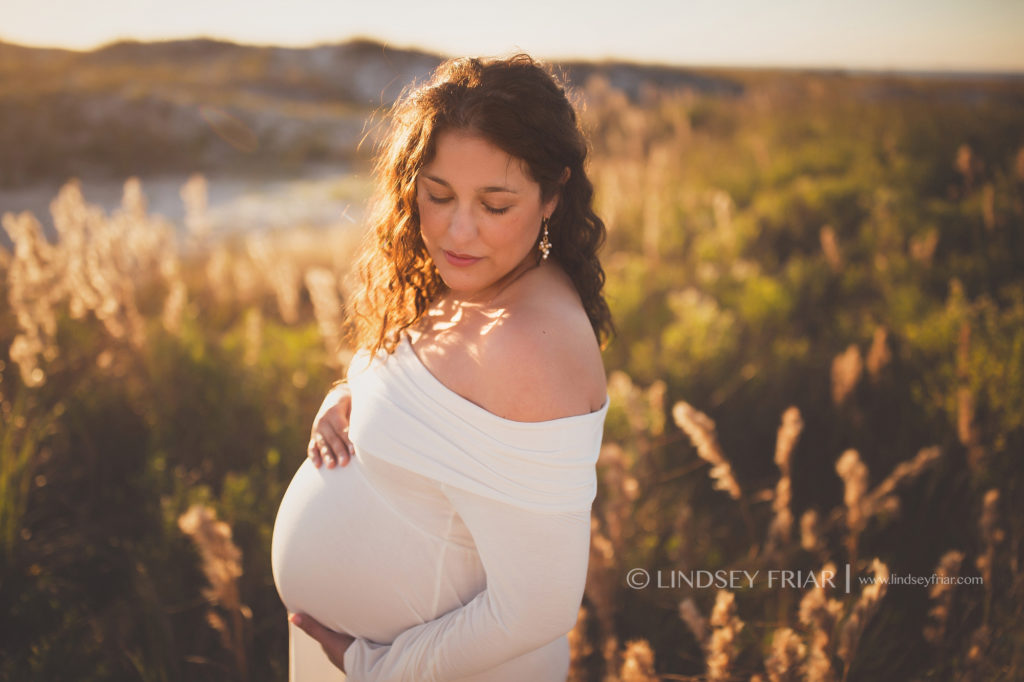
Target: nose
x=462 y=226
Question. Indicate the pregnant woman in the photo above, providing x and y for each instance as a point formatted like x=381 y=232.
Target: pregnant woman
x=439 y=529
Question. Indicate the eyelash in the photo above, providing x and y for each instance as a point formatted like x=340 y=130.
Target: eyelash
x=445 y=200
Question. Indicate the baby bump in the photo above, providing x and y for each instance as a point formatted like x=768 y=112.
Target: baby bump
x=343 y=555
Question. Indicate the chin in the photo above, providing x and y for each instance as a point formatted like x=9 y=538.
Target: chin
x=463 y=285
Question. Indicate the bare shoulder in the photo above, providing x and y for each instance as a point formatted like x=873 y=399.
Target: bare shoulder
x=541 y=360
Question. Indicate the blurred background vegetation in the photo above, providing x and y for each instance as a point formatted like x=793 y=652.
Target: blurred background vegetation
x=818 y=283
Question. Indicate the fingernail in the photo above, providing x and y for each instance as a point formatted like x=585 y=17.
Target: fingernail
x=296 y=619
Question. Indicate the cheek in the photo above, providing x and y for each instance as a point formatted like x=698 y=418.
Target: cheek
x=511 y=232
x=430 y=220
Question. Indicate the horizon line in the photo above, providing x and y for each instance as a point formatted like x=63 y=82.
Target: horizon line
x=957 y=70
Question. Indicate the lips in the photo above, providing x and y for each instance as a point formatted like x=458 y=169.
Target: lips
x=459 y=259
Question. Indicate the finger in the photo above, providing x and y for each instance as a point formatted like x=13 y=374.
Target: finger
x=338 y=441
x=311 y=627
x=329 y=456
x=349 y=449
x=333 y=643
x=313 y=452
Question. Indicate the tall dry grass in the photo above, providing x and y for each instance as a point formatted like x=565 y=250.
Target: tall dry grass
x=793 y=327
x=110 y=302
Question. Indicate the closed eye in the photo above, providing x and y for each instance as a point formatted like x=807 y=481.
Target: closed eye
x=496 y=211
x=438 y=200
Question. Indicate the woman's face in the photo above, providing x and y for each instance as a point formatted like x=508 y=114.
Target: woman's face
x=480 y=213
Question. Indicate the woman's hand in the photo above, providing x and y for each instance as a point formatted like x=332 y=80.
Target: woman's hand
x=334 y=644
x=328 y=440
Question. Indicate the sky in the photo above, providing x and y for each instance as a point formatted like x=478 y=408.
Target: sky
x=958 y=35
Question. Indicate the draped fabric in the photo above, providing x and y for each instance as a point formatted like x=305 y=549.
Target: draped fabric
x=452 y=547
x=403 y=414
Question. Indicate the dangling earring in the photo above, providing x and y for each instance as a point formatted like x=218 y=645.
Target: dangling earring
x=545 y=243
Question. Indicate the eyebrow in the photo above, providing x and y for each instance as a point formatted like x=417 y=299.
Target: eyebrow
x=489 y=189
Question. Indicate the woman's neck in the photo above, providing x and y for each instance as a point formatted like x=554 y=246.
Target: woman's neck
x=491 y=295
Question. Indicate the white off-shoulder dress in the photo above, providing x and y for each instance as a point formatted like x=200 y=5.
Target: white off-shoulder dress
x=454 y=544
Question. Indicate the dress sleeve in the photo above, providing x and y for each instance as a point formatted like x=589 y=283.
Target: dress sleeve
x=536 y=567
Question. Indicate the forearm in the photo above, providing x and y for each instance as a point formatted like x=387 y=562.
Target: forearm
x=536 y=570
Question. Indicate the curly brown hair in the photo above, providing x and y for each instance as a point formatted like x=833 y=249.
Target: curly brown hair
x=521 y=108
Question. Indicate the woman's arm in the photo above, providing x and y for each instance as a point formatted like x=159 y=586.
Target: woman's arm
x=536 y=566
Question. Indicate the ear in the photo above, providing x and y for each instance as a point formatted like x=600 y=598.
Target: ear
x=551 y=204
